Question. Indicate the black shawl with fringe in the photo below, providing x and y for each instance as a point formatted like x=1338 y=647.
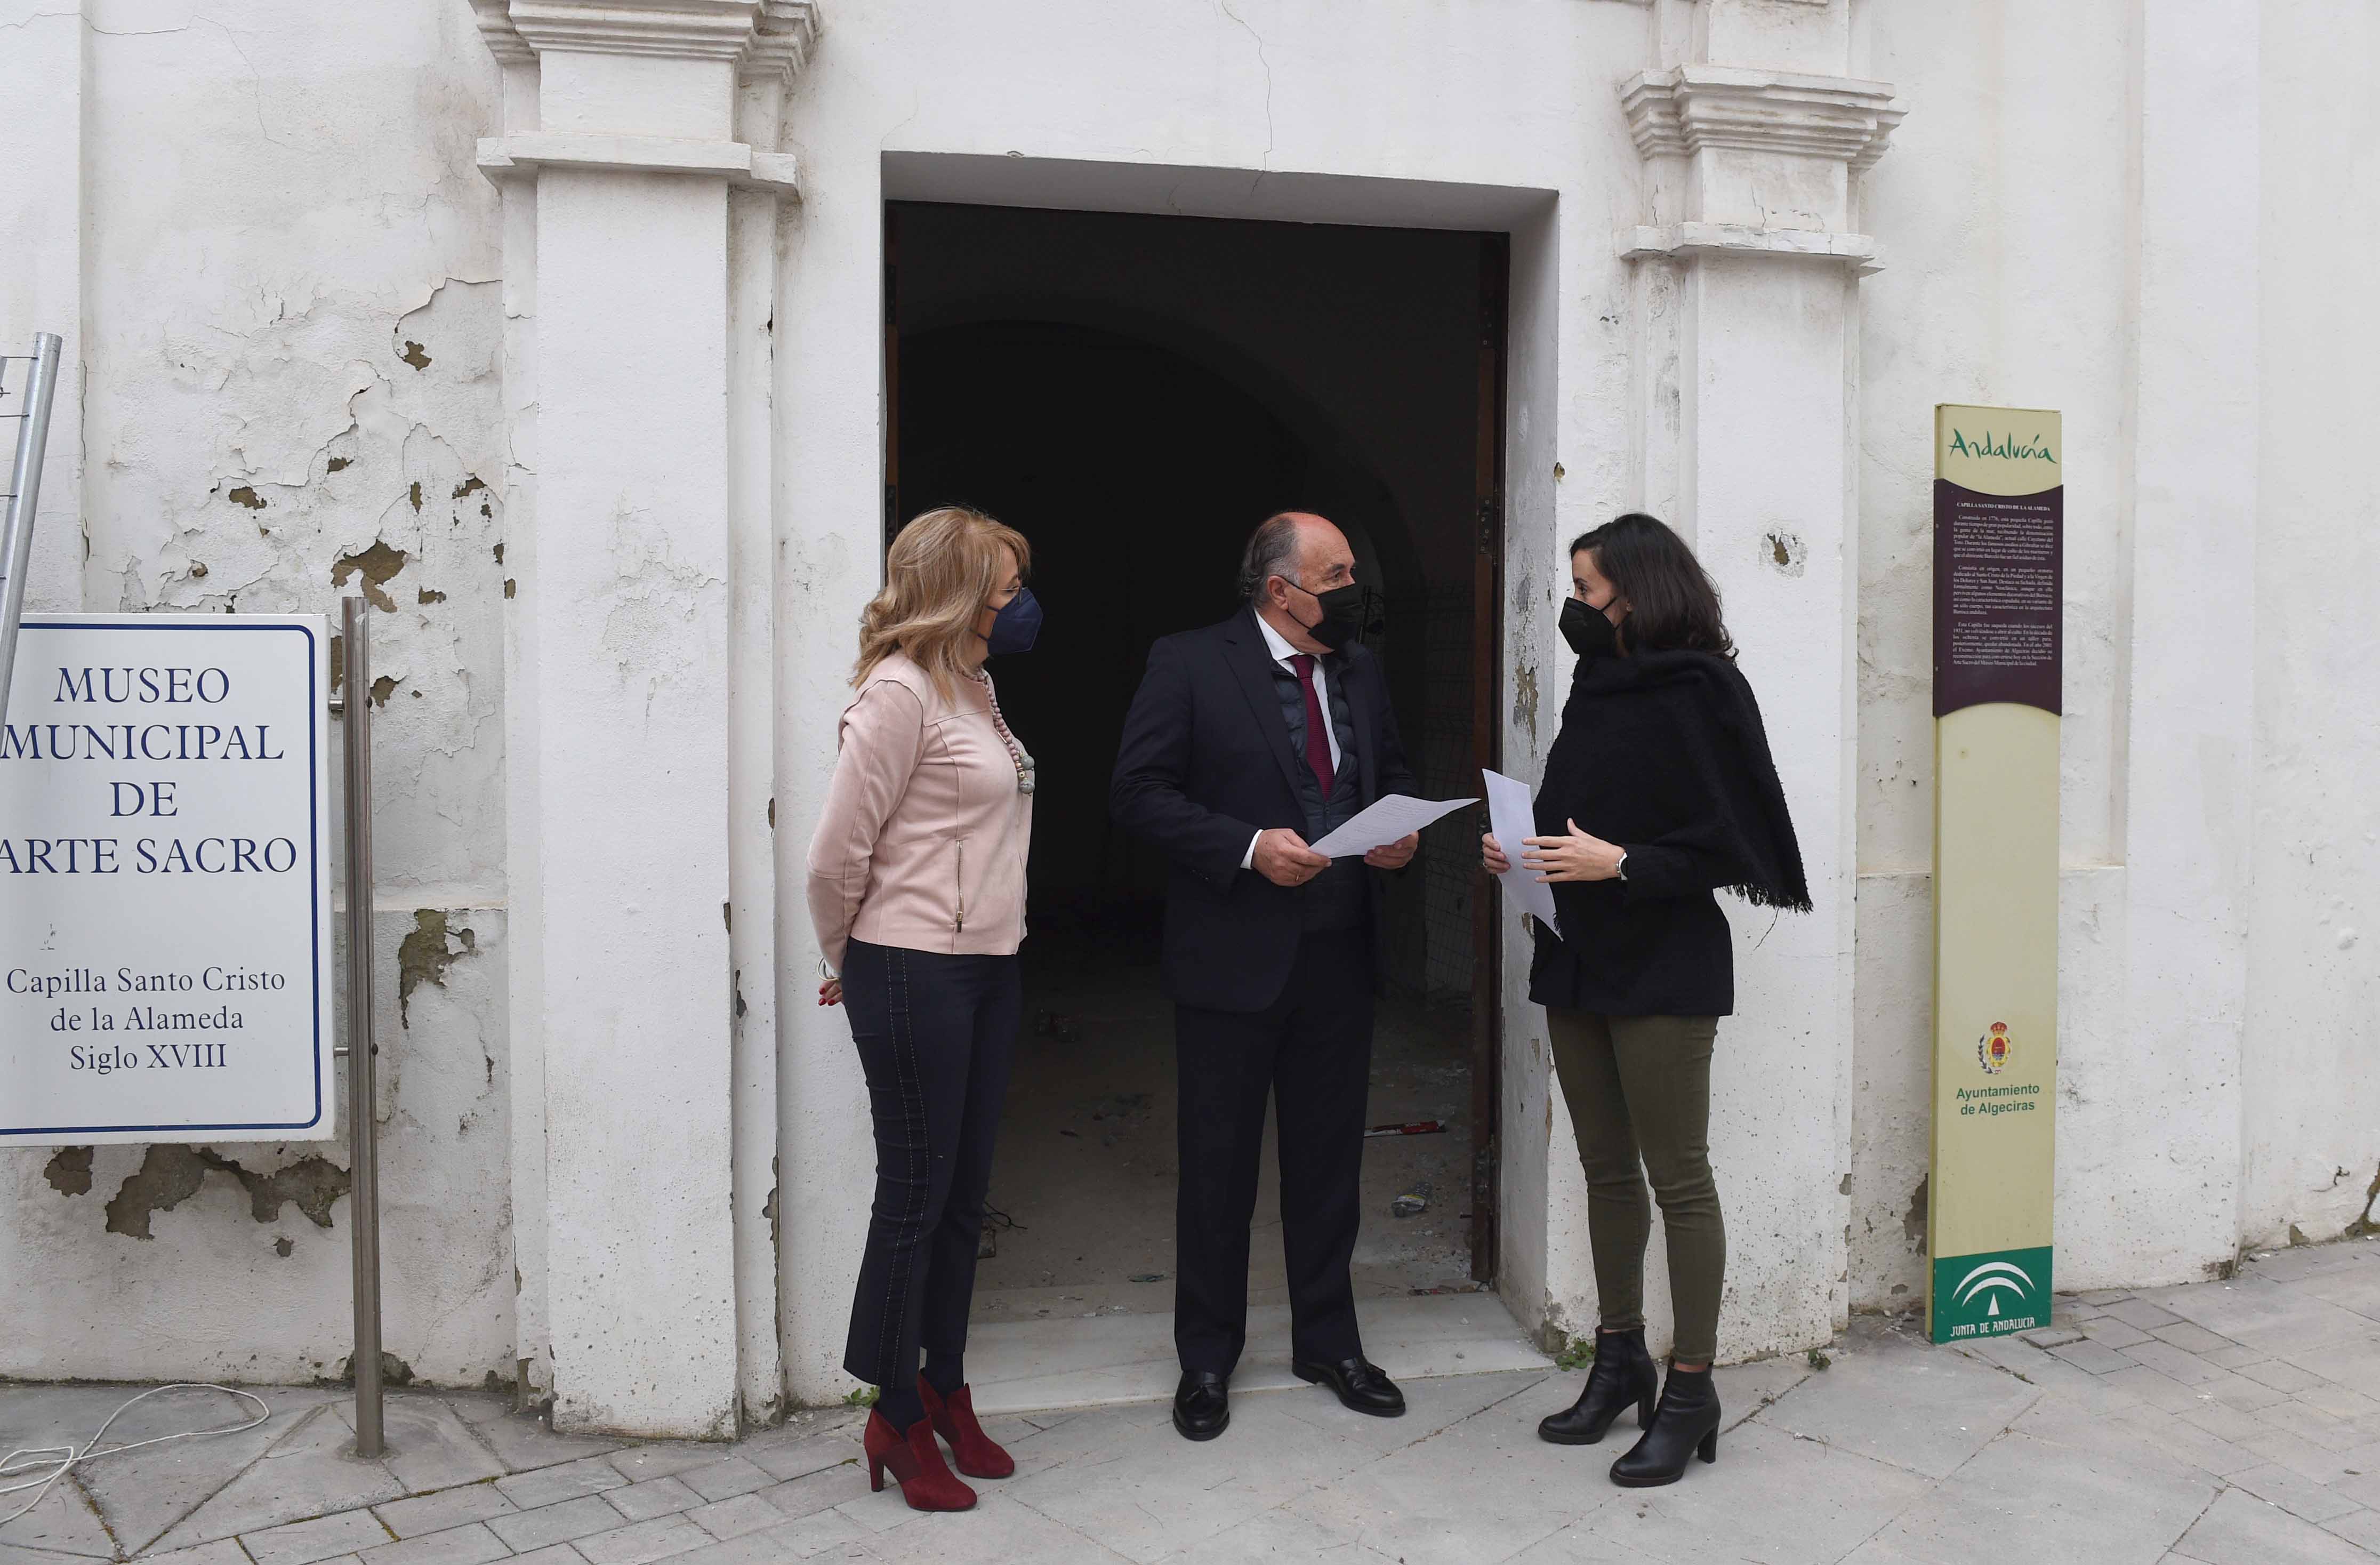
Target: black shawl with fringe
x=1665 y=755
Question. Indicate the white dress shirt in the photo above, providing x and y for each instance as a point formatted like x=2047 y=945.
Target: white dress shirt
x=1281 y=652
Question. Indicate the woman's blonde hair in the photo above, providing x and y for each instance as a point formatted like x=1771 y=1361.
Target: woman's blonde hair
x=939 y=574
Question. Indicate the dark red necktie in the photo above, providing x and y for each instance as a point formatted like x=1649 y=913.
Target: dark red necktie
x=1318 y=738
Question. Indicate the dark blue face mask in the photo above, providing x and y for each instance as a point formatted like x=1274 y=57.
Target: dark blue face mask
x=1015 y=627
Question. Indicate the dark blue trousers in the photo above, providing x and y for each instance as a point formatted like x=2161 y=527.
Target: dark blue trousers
x=937 y=1035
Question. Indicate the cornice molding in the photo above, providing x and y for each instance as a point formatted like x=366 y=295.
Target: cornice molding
x=1686 y=240
x=768 y=39
x=514 y=157
x=782 y=47
x=1682 y=111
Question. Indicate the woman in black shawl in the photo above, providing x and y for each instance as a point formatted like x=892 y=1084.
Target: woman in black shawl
x=1659 y=791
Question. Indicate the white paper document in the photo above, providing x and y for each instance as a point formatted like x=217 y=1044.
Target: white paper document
x=1390 y=819
x=1513 y=822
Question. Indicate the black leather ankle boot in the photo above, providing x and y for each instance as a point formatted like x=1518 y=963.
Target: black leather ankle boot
x=1622 y=1375
x=1687 y=1423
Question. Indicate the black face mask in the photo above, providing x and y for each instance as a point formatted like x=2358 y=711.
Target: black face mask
x=1590 y=635
x=1343 y=614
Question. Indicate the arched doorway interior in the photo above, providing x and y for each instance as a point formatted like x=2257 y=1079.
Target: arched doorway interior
x=1135 y=394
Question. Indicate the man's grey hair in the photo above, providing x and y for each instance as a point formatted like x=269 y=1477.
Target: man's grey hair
x=1272 y=552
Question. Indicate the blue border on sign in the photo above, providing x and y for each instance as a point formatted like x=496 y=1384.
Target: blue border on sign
x=314 y=890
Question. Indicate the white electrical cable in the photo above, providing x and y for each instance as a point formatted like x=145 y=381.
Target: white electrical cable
x=64 y=1458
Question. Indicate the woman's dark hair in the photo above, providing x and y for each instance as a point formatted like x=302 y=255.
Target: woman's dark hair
x=1673 y=603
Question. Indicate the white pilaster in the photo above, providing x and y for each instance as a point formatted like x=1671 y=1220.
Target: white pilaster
x=2188 y=782
x=639 y=812
x=1746 y=293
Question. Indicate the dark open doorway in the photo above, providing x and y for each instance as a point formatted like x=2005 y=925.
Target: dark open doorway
x=1135 y=394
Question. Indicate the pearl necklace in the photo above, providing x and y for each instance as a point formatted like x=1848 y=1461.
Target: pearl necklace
x=1016 y=752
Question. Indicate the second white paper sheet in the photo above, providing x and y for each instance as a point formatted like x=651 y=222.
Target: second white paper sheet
x=1512 y=819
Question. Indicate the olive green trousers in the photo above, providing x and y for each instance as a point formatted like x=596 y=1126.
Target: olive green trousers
x=1638 y=1088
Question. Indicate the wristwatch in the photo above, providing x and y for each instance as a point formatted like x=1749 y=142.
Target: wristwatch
x=1620 y=871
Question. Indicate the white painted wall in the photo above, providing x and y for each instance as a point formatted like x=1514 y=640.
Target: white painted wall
x=258 y=229
x=2156 y=221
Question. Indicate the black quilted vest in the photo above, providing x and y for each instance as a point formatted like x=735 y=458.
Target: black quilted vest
x=1334 y=899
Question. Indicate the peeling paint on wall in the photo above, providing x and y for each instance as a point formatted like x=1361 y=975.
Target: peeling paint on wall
x=377 y=565
x=424 y=955
x=69 y=1171
x=170 y=1175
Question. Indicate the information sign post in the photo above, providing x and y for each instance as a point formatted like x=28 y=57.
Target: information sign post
x=1998 y=550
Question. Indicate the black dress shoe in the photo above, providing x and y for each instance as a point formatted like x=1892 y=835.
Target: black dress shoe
x=1202 y=1404
x=1687 y=1423
x=1624 y=1374
x=1361 y=1386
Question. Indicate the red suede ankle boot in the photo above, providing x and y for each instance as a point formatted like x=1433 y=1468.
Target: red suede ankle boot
x=953 y=1420
x=926 y=1482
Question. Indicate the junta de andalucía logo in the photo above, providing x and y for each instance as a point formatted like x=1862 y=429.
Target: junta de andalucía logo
x=2006 y=446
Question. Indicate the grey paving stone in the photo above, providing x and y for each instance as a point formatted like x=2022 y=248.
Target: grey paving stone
x=2237 y=1359
x=313 y=1472
x=2142 y=1314
x=1129 y=1486
x=2316 y=1461
x=1278 y=1536
x=2341 y=1402
x=2311 y=1424
x=2353 y=1287
x=661 y=1459
x=2226 y=1422
x=734 y=1517
x=2281 y=1375
x=641 y=1542
x=824 y=1534
x=472 y=1545
x=792 y=1458
x=1913 y=1406
x=2293 y=1492
x=2242 y=1529
x=2156 y=1388
x=2359 y=1527
x=2168 y=1360
x=523 y=1443
x=2103 y=1297
x=430 y=1447
x=2265 y=1314
x=145 y=1492
x=2026 y=1498
x=474 y=1407
x=2095 y=1356
x=2250 y=1396
x=302 y=1543
x=654 y=1497
x=548 y=1485
x=63 y=1522
x=1771 y=1497
x=448 y=1508
x=222 y=1552
x=818 y=1491
x=2111 y=1332
x=2053 y=1335
x=2192 y=1338
x=559 y=1523
x=551 y=1554
x=725 y=1478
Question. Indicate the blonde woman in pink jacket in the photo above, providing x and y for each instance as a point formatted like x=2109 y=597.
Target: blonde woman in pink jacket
x=916 y=888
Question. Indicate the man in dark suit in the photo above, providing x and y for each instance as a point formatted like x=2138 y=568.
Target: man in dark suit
x=1248 y=740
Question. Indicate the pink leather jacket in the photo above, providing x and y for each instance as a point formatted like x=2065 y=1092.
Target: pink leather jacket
x=923 y=840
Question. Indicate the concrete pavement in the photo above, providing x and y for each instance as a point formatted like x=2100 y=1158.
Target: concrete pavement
x=2227 y=1423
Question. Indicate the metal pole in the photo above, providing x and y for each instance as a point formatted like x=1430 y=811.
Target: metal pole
x=24 y=491
x=363 y=1169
